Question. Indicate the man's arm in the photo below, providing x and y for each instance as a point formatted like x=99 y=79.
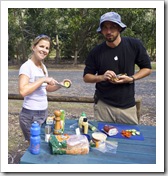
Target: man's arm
x=142 y=73
x=89 y=78
x=130 y=79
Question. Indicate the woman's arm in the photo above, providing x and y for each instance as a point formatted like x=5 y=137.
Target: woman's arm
x=26 y=88
x=52 y=88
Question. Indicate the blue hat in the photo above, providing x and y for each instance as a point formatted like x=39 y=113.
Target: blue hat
x=113 y=17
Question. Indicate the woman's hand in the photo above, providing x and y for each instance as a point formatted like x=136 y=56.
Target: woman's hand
x=50 y=81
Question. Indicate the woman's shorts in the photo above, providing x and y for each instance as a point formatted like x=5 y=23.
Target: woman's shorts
x=27 y=117
x=108 y=113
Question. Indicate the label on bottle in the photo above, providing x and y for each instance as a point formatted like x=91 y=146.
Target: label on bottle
x=35 y=148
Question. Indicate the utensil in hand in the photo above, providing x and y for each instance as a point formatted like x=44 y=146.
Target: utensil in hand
x=65 y=83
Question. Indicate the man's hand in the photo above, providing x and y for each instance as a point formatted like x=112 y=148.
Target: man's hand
x=109 y=75
x=122 y=79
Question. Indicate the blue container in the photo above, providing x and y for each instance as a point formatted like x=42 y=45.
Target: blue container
x=35 y=138
x=88 y=136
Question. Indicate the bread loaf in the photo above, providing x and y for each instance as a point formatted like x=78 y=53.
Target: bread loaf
x=69 y=144
x=77 y=144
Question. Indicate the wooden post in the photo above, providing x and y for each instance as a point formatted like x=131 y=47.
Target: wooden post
x=138 y=106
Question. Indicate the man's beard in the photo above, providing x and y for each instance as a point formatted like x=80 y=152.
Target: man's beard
x=111 y=39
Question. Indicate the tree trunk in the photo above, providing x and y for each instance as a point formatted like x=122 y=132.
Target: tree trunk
x=75 y=57
x=22 y=44
x=57 y=57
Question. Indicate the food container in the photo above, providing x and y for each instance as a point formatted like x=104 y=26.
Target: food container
x=50 y=120
x=99 y=139
x=47 y=132
x=88 y=136
x=98 y=136
x=110 y=130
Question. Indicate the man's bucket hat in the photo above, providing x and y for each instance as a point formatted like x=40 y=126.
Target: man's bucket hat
x=113 y=17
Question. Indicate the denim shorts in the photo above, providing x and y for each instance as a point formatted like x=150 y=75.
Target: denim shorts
x=27 y=117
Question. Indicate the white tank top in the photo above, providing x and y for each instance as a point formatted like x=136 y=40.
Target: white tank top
x=38 y=99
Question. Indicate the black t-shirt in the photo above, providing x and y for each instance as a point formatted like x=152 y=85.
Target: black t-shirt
x=121 y=59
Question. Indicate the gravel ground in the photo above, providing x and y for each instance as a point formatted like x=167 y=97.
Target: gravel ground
x=144 y=88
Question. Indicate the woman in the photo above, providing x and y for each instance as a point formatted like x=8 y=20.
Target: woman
x=34 y=84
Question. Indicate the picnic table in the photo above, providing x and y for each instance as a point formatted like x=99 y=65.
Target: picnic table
x=129 y=151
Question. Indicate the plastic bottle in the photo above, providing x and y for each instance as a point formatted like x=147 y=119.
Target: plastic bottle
x=83 y=115
x=92 y=127
x=35 y=138
x=85 y=126
x=62 y=119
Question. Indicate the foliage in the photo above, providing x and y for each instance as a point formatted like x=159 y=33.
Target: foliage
x=75 y=29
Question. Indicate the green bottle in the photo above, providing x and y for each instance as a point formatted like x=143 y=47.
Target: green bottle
x=62 y=120
x=92 y=127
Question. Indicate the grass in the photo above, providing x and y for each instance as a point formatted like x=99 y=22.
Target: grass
x=71 y=109
x=153 y=65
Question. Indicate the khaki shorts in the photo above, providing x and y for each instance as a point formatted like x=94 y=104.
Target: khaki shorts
x=108 y=113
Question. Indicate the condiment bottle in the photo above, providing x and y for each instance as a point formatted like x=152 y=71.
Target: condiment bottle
x=57 y=127
x=83 y=115
x=35 y=138
x=85 y=125
x=92 y=127
x=62 y=119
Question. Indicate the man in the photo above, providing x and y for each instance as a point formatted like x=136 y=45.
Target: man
x=111 y=65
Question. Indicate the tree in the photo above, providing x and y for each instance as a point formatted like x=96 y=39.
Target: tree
x=141 y=23
x=73 y=30
x=17 y=43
